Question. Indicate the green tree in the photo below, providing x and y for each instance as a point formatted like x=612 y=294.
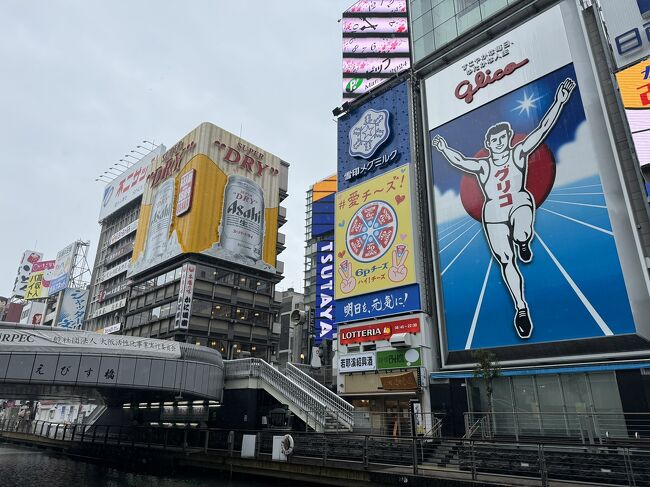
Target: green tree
x=487 y=368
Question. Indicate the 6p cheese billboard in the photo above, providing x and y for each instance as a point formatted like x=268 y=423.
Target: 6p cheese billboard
x=374 y=235
x=229 y=211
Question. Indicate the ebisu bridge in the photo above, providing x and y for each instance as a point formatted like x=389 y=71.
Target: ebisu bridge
x=131 y=378
x=112 y=370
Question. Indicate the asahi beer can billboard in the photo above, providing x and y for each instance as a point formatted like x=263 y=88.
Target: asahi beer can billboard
x=234 y=209
x=533 y=238
x=242 y=225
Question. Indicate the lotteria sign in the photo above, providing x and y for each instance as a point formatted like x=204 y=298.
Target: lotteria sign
x=378 y=331
x=325 y=327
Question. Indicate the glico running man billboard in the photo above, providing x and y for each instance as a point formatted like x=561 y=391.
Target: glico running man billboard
x=212 y=193
x=524 y=182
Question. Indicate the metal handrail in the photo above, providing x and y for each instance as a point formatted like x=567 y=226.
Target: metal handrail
x=258 y=368
x=525 y=463
x=339 y=408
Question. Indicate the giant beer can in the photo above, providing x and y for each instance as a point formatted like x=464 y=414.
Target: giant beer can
x=160 y=221
x=242 y=224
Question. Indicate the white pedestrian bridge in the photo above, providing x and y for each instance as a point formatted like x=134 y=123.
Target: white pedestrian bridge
x=42 y=362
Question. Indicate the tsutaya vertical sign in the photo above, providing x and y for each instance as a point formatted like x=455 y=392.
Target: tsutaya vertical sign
x=325 y=327
x=523 y=175
x=185 y=293
x=212 y=193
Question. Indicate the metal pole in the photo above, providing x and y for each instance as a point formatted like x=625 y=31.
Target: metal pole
x=542 y=466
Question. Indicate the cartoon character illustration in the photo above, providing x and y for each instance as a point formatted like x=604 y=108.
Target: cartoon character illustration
x=508 y=214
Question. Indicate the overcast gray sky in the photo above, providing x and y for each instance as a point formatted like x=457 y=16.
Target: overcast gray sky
x=83 y=82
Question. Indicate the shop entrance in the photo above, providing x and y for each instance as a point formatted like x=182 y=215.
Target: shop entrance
x=389 y=416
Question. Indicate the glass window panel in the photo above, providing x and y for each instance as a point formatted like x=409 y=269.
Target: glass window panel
x=221 y=311
x=444 y=33
x=576 y=397
x=442 y=12
x=551 y=405
x=155 y=313
x=201 y=308
x=526 y=405
x=607 y=403
x=468 y=17
x=490 y=7
x=224 y=277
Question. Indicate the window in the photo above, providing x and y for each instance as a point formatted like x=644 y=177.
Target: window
x=201 y=308
x=223 y=277
x=221 y=311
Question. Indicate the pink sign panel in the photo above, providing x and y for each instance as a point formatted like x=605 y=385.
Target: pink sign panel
x=390 y=65
x=379 y=45
x=185 y=193
x=378 y=6
x=373 y=25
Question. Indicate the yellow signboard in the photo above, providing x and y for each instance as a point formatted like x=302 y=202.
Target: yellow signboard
x=34 y=288
x=634 y=83
x=212 y=193
x=38 y=285
x=374 y=235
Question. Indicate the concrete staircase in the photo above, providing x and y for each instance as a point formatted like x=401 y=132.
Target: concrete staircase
x=317 y=406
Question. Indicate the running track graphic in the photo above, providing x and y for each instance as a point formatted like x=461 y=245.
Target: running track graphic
x=574 y=285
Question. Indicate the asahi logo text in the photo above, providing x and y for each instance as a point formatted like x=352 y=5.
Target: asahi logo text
x=245 y=206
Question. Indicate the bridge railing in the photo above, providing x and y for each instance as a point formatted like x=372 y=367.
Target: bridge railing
x=337 y=407
x=586 y=428
x=485 y=461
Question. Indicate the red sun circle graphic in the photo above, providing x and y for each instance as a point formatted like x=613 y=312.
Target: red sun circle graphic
x=539 y=180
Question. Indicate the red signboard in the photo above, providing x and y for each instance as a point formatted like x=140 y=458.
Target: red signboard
x=185 y=193
x=379 y=331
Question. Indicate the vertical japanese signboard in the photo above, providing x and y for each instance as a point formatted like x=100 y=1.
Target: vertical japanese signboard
x=375 y=254
x=524 y=181
x=24 y=270
x=73 y=308
x=185 y=293
x=324 y=314
x=374 y=137
x=375 y=44
x=38 y=285
x=62 y=268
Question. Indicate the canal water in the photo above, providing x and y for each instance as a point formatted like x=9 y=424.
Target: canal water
x=27 y=467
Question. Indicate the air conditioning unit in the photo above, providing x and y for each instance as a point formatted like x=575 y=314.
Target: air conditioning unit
x=401 y=340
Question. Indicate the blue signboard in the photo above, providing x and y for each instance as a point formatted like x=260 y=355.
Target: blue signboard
x=376 y=305
x=324 y=314
x=374 y=137
x=525 y=244
x=644 y=7
x=322 y=218
x=58 y=284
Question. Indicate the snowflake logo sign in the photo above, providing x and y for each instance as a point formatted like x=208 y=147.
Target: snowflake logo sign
x=369 y=133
